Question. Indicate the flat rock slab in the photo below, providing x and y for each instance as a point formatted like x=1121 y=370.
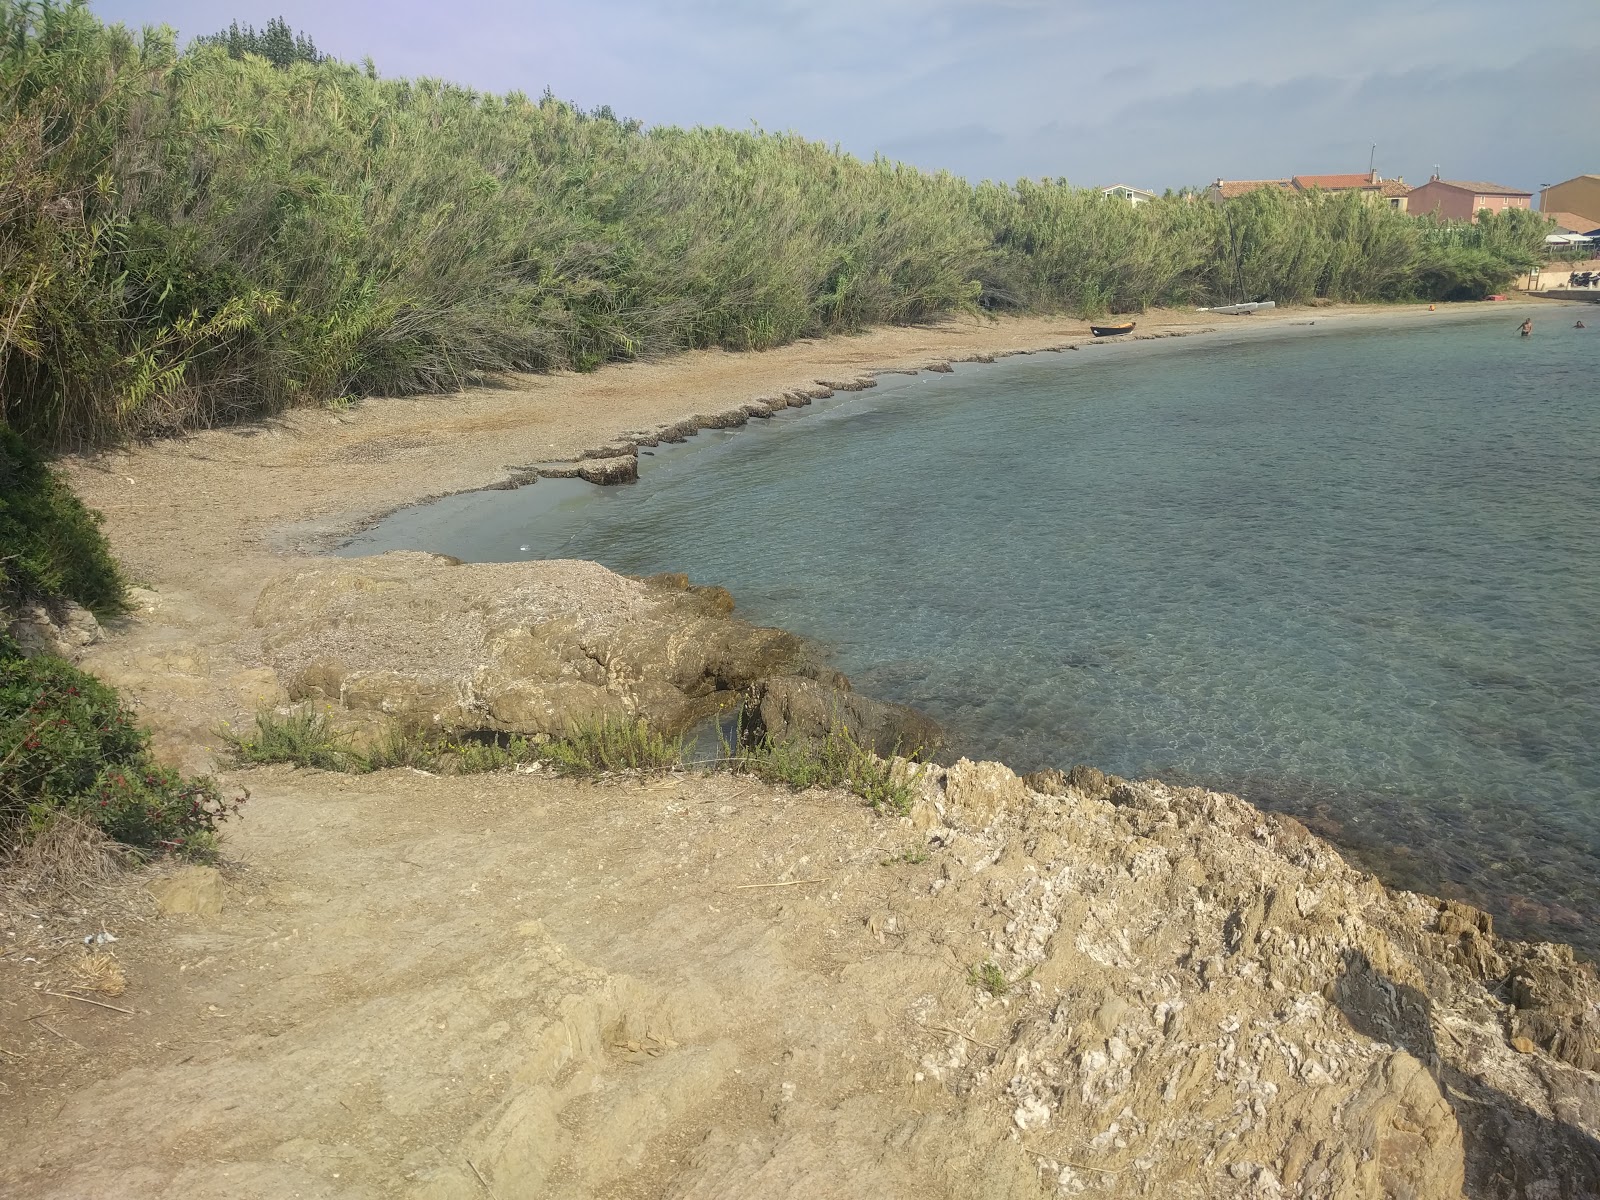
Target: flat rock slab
x=519 y=648
x=194 y=891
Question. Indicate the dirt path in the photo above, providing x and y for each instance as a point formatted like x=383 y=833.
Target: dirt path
x=563 y=986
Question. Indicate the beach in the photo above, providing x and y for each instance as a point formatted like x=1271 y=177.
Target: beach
x=696 y=986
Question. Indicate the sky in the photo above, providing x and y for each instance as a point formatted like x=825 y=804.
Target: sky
x=1154 y=93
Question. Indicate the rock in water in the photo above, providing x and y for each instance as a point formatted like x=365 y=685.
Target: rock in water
x=793 y=708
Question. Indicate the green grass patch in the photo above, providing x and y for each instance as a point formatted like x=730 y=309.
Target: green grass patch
x=612 y=745
x=301 y=737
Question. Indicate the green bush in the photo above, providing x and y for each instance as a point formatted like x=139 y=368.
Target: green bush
x=51 y=546
x=67 y=744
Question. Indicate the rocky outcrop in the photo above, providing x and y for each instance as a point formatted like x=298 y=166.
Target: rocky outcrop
x=525 y=648
x=63 y=629
x=793 y=708
x=1190 y=997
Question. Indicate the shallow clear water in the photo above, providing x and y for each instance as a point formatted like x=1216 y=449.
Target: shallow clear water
x=1352 y=575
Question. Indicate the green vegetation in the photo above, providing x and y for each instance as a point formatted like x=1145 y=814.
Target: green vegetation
x=990 y=978
x=302 y=737
x=599 y=747
x=838 y=761
x=277 y=43
x=189 y=237
x=305 y=737
x=51 y=547
x=67 y=746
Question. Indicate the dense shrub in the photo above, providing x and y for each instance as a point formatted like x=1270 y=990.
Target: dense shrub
x=68 y=745
x=51 y=546
x=189 y=237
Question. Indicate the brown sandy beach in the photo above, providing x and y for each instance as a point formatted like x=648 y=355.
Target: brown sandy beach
x=408 y=985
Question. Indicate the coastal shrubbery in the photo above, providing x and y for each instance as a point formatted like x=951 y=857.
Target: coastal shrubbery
x=69 y=747
x=189 y=237
x=51 y=547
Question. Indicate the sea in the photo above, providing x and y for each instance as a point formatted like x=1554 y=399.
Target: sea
x=1350 y=571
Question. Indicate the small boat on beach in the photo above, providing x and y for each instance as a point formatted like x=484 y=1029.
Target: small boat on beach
x=1111 y=330
x=1243 y=310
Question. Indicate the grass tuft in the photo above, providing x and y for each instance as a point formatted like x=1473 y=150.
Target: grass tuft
x=837 y=761
x=301 y=737
x=611 y=745
x=990 y=978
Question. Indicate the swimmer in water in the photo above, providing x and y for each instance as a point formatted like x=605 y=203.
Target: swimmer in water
x=1527 y=328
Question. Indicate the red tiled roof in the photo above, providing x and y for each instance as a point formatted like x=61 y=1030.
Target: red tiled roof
x=1229 y=189
x=1395 y=187
x=1479 y=189
x=1332 y=183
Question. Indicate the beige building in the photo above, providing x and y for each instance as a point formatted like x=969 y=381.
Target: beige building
x=1579 y=196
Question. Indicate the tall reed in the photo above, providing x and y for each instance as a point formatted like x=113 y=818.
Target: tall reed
x=189 y=237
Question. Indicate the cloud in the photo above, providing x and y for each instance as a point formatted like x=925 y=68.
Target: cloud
x=1161 y=92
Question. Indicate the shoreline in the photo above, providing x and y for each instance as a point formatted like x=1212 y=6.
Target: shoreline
x=603 y=462
x=695 y=982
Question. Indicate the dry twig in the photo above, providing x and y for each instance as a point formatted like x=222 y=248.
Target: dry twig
x=96 y=1003
x=482 y=1180
x=959 y=1034
x=740 y=887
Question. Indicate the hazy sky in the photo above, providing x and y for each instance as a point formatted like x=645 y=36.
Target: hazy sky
x=1157 y=93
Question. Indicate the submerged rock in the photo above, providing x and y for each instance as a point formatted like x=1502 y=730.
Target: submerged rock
x=523 y=648
x=792 y=707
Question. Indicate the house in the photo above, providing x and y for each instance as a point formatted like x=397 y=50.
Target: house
x=1569 y=222
x=1132 y=195
x=1455 y=200
x=1371 y=185
x=1579 y=196
x=1231 y=189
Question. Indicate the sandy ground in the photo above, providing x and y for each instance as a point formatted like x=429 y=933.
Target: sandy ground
x=414 y=976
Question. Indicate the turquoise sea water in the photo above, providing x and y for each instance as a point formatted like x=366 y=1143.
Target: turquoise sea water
x=1353 y=575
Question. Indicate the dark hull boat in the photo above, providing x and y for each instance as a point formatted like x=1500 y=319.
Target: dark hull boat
x=1111 y=330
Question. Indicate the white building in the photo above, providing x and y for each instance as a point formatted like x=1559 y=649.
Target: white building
x=1132 y=195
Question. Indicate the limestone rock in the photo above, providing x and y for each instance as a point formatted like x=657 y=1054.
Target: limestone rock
x=1557 y=1005
x=790 y=707
x=621 y=468
x=1048 y=782
x=193 y=891
x=976 y=793
x=525 y=648
x=63 y=629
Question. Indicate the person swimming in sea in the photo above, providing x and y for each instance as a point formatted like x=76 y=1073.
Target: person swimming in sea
x=1527 y=328
x=1579 y=325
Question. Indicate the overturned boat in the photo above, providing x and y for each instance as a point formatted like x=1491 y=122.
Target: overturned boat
x=1242 y=310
